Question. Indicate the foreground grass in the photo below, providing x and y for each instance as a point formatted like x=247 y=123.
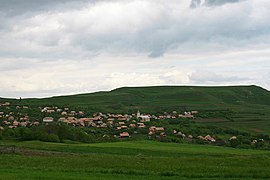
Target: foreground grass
x=132 y=160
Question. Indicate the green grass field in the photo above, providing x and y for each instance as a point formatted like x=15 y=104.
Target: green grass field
x=131 y=160
x=244 y=108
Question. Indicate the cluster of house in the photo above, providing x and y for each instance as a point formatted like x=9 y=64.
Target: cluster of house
x=65 y=111
x=160 y=132
x=207 y=138
x=184 y=136
x=5 y=104
x=175 y=115
x=121 y=122
x=253 y=142
x=153 y=130
x=15 y=124
x=13 y=120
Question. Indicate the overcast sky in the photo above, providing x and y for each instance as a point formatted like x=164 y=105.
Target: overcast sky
x=55 y=47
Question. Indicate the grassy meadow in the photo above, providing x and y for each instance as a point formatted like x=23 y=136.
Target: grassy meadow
x=131 y=160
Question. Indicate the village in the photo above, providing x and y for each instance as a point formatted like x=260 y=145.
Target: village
x=121 y=123
x=120 y=126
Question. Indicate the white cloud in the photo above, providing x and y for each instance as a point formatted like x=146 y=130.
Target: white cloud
x=152 y=27
x=82 y=46
x=214 y=78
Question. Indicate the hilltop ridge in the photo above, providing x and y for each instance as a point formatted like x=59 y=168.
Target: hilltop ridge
x=170 y=95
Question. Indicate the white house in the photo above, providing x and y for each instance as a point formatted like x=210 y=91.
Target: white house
x=48 y=119
x=144 y=118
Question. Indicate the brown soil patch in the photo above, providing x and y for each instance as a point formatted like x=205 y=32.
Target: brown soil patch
x=256 y=130
x=31 y=152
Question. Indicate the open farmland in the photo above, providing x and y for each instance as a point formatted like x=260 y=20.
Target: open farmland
x=131 y=160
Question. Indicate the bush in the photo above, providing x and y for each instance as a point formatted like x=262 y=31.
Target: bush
x=175 y=139
x=260 y=145
x=234 y=143
x=220 y=142
x=42 y=136
x=8 y=133
x=244 y=146
x=200 y=141
x=27 y=134
x=52 y=138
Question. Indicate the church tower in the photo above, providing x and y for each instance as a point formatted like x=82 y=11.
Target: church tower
x=138 y=114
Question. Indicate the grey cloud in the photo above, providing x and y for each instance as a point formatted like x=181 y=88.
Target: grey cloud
x=220 y=2
x=130 y=26
x=19 y=7
x=198 y=3
x=213 y=77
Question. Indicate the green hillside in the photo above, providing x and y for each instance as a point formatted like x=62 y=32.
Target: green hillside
x=242 y=107
x=165 y=96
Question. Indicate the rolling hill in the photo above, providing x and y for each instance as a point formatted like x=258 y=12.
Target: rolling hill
x=244 y=107
x=167 y=97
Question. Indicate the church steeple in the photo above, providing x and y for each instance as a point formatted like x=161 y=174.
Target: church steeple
x=138 y=114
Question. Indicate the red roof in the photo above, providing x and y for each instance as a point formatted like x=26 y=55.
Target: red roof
x=124 y=134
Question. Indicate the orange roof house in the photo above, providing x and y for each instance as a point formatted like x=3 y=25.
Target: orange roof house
x=124 y=135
